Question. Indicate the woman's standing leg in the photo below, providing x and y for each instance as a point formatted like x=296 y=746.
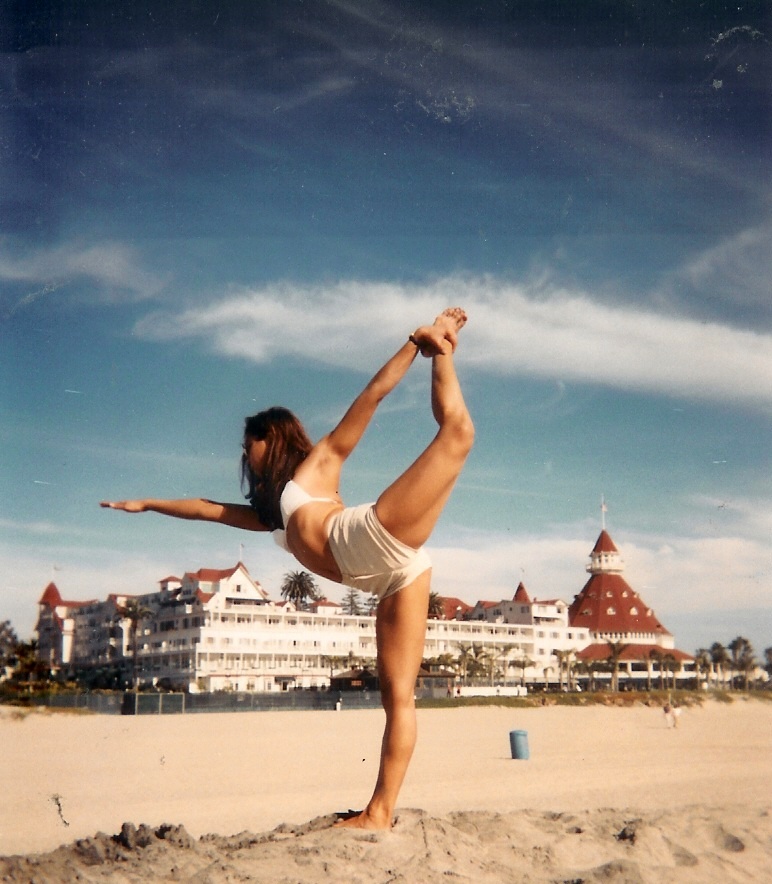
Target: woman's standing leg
x=409 y=509
x=400 y=627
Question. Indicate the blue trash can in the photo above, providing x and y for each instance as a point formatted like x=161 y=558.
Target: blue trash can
x=518 y=744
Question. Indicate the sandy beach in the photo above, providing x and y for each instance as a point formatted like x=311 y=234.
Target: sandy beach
x=608 y=793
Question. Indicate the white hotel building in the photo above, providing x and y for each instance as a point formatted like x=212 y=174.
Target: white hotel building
x=218 y=630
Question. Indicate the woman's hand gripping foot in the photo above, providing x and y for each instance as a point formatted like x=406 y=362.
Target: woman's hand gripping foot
x=441 y=338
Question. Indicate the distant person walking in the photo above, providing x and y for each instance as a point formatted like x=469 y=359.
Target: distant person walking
x=672 y=714
x=293 y=492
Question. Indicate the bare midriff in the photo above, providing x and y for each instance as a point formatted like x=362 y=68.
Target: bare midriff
x=307 y=538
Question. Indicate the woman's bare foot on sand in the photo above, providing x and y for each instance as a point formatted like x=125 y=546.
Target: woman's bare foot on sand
x=441 y=337
x=363 y=820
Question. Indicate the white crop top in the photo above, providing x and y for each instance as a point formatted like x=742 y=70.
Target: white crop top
x=292 y=498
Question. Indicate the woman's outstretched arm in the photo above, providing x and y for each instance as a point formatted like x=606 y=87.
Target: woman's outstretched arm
x=428 y=340
x=344 y=438
x=235 y=515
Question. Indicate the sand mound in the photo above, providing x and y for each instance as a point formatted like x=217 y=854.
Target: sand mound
x=695 y=844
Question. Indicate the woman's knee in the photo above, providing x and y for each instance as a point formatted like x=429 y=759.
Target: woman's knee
x=459 y=429
x=397 y=694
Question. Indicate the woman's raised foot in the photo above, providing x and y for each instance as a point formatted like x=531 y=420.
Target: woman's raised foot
x=441 y=337
x=452 y=318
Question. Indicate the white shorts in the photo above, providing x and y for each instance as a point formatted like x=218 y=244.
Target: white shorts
x=368 y=557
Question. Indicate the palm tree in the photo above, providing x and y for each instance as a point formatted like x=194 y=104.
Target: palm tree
x=583 y=667
x=674 y=666
x=465 y=655
x=649 y=670
x=443 y=661
x=720 y=658
x=481 y=661
x=570 y=669
x=496 y=655
x=743 y=658
x=656 y=656
x=436 y=606
x=591 y=667
x=298 y=587
x=702 y=665
x=615 y=651
x=523 y=663
x=135 y=612
x=562 y=658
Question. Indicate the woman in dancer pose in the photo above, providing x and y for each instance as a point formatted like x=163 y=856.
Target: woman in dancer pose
x=293 y=492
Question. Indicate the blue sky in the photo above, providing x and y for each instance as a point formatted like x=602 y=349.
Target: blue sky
x=210 y=209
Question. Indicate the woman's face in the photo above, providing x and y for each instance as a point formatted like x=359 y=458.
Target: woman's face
x=254 y=451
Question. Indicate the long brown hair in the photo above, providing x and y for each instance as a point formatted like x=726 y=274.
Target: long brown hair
x=288 y=446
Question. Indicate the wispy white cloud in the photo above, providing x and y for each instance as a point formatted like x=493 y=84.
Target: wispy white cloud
x=114 y=270
x=535 y=329
x=734 y=272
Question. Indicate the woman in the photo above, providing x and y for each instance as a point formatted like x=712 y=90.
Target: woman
x=293 y=492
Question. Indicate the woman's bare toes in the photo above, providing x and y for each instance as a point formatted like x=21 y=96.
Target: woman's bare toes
x=453 y=318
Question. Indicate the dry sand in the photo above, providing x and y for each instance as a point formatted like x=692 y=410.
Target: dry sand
x=608 y=794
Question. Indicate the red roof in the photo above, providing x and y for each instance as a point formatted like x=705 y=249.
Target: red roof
x=212 y=575
x=521 y=594
x=453 y=607
x=604 y=543
x=323 y=603
x=607 y=604
x=635 y=652
x=53 y=598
